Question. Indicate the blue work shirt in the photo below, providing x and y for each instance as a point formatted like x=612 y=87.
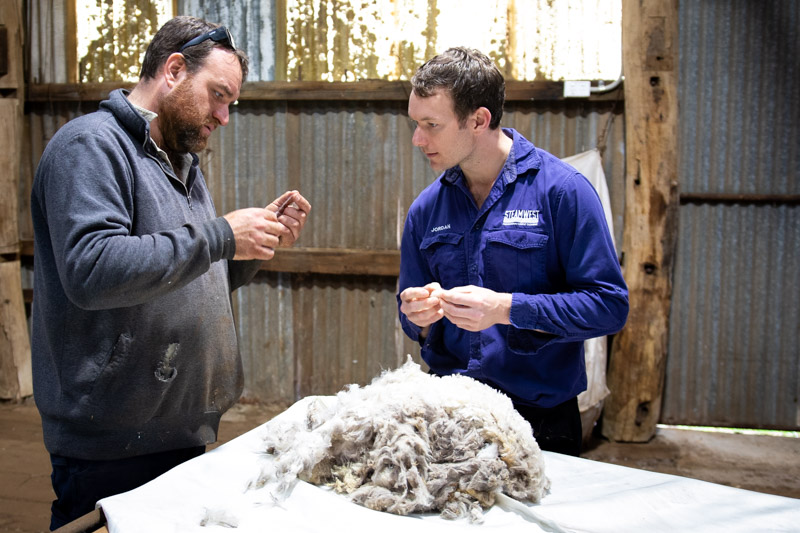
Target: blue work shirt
x=541 y=235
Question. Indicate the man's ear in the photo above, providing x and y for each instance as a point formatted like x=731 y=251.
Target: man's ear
x=483 y=117
x=174 y=69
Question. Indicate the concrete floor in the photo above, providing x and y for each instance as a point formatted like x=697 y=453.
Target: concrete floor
x=760 y=463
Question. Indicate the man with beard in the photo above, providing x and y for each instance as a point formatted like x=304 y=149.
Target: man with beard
x=135 y=355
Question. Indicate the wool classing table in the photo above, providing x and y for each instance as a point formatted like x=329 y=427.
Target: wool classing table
x=213 y=493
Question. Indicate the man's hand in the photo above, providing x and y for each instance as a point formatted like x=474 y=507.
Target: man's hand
x=475 y=308
x=256 y=231
x=291 y=210
x=422 y=306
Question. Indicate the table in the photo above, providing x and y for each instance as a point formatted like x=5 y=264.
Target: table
x=586 y=495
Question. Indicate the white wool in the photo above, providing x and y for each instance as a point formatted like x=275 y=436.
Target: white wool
x=411 y=442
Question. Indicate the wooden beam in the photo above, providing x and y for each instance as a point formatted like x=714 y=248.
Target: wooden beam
x=369 y=90
x=638 y=361
x=16 y=379
x=335 y=261
x=744 y=199
x=71 y=41
x=10 y=19
x=15 y=350
x=279 y=73
x=26 y=248
x=343 y=261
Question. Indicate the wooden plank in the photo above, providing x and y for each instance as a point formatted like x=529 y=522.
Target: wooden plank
x=16 y=381
x=638 y=361
x=71 y=40
x=341 y=261
x=10 y=134
x=26 y=248
x=3 y=50
x=747 y=199
x=369 y=90
x=280 y=40
x=335 y=261
x=73 y=92
x=11 y=18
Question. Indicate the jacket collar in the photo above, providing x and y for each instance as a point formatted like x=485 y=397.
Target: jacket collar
x=119 y=106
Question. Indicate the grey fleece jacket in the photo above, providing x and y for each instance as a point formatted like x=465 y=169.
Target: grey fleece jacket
x=133 y=340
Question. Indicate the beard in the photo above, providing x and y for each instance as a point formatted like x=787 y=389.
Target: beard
x=180 y=121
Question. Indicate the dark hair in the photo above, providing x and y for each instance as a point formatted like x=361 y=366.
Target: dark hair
x=471 y=78
x=173 y=35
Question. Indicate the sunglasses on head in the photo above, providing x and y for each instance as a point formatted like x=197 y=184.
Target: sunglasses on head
x=218 y=35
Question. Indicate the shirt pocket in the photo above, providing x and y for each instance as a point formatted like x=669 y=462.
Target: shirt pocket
x=446 y=259
x=516 y=261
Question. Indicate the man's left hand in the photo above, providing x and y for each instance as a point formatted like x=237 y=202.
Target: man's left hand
x=292 y=210
x=475 y=308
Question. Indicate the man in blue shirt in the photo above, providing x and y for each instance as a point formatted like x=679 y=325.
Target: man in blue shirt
x=507 y=264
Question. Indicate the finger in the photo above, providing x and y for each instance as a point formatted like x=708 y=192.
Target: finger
x=414 y=293
x=267 y=253
x=300 y=203
x=426 y=318
x=293 y=220
x=279 y=204
x=457 y=311
x=433 y=286
x=271 y=235
x=419 y=305
x=438 y=293
x=464 y=299
x=429 y=317
x=287 y=237
x=269 y=215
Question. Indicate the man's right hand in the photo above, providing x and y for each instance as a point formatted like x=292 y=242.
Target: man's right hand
x=256 y=231
x=422 y=306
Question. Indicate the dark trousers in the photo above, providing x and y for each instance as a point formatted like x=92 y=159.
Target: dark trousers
x=80 y=483
x=556 y=429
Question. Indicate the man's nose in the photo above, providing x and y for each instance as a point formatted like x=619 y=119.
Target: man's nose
x=417 y=138
x=222 y=114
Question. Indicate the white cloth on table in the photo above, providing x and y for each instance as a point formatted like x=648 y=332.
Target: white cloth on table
x=585 y=496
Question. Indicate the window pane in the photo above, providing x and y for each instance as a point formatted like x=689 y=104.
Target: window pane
x=347 y=40
x=113 y=36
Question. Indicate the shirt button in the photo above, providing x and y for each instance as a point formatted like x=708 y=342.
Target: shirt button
x=473 y=268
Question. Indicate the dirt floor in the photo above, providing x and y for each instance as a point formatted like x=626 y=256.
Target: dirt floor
x=760 y=463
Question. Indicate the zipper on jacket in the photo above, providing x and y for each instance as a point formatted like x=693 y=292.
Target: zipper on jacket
x=171 y=176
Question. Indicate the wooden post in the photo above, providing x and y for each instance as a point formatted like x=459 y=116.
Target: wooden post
x=638 y=360
x=15 y=350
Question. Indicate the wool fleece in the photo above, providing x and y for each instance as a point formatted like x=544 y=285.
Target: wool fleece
x=411 y=442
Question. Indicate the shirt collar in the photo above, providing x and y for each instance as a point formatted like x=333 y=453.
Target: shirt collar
x=148 y=115
x=522 y=157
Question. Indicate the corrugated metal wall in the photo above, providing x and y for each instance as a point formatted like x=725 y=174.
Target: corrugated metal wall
x=313 y=334
x=733 y=357
x=252 y=23
x=46 y=61
x=733 y=345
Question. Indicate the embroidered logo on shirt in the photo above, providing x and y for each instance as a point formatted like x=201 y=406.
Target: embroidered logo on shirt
x=440 y=228
x=521 y=217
